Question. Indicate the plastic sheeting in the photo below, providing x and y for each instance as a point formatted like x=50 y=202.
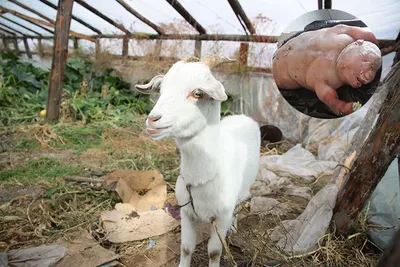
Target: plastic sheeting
x=333 y=139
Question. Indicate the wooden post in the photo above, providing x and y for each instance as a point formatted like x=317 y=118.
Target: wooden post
x=27 y=50
x=197 y=48
x=76 y=44
x=125 y=47
x=243 y=55
x=97 y=47
x=5 y=43
x=60 y=54
x=16 y=48
x=376 y=154
x=157 y=49
x=328 y=4
x=40 y=48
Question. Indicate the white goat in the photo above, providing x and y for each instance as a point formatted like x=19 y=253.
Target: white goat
x=219 y=159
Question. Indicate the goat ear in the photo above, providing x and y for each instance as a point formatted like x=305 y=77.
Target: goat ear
x=216 y=91
x=153 y=86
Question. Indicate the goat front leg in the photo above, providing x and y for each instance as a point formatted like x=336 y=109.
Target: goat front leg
x=188 y=239
x=214 y=244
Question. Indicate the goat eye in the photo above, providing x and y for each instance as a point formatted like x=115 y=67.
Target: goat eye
x=197 y=94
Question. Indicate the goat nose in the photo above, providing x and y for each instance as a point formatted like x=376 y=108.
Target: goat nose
x=154 y=118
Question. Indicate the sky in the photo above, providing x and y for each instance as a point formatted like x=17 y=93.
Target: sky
x=381 y=16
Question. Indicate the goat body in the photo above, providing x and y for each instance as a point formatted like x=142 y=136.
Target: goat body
x=219 y=158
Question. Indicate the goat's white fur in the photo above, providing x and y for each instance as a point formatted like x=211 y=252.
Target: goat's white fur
x=219 y=158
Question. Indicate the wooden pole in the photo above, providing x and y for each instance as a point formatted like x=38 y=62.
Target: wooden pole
x=5 y=43
x=328 y=4
x=20 y=25
x=377 y=153
x=243 y=55
x=48 y=24
x=101 y=15
x=76 y=44
x=140 y=17
x=73 y=17
x=125 y=46
x=319 y=4
x=60 y=54
x=197 y=49
x=27 y=50
x=186 y=15
x=98 y=48
x=16 y=48
x=32 y=10
x=40 y=48
x=241 y=15
x=157 y=49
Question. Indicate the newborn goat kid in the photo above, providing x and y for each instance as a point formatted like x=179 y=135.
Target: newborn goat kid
x=219 y=159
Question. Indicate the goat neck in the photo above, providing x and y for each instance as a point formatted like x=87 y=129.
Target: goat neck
x=200 y=155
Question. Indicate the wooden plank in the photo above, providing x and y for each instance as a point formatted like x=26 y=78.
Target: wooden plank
x=27 y=50
x=60 y=54
x=11 y=29
x=186 y=15
x=49 y=24
x=81 y=21
x=125 y=46
x=391 y=256
x=20 y=25
x=376 y=154
x=243 y=55
x=241 y=15
x=140 y=17
x=197 y=49
x=101 y=15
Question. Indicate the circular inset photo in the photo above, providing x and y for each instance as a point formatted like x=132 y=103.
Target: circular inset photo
x=328 y=64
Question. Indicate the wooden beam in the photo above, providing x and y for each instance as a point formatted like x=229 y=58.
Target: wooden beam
x=20 y=25
x=243 y=55
x=197 y=49
x=140 y=17
x=376 y=154
x=199 y=37
x=10 y=28
x=125 y=46
x=27 y=50
x=16 y=48
x=48 y=3
x=391 y=256
x=37 y=25
x=101 y=15
x=241 y=15
x=186 y=15
x=60 y=54
x=157 y=49
x=32 y=10
x=327 y=4
x=49 y=24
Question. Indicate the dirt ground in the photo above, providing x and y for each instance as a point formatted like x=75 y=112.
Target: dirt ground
x=39 y=207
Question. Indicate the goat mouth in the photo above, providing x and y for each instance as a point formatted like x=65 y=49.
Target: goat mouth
x=156 y=130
